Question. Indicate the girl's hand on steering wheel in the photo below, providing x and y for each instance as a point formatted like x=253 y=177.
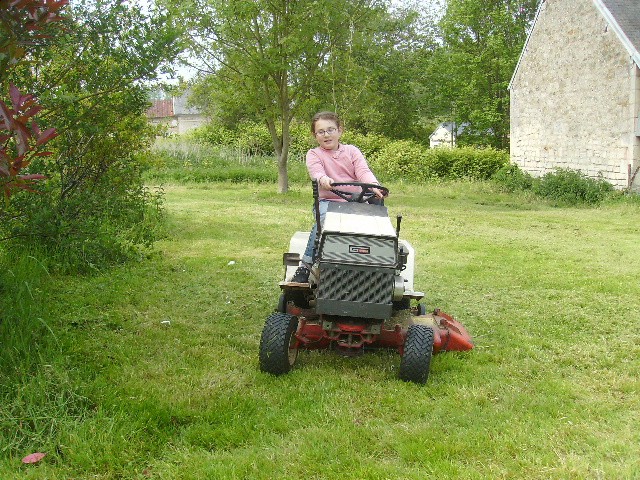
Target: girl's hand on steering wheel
x=379 y=193
x=325 y=182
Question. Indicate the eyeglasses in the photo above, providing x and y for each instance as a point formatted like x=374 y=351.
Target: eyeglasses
x=328 y=131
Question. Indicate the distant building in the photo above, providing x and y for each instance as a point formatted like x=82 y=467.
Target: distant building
x=446 y=134
x=175 y=114
x=575 y=93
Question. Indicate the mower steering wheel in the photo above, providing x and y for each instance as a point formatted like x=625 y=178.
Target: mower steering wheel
x=365 y=195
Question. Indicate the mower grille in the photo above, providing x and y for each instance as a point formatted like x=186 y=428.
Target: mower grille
x=355 y=292
x=358 y=250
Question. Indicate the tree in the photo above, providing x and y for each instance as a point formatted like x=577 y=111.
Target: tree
x=23 y=26
x=91 y=79
x=263 y=57
x=372 y=81
x=470 y=72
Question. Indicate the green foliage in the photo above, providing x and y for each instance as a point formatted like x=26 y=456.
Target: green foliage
x=400 y=159
x=301 y=140
x=572 y=187
x=370 y=144
x=186 y=160
x=253 y=139
x=465 y=78
x=411 y=161
x=562 y=186
x=213 y=133
x=118 y=219
x=94 y=209
x=511 y=179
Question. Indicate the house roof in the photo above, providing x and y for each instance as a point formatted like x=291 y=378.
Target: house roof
x=160 y=109
x=448 y=126
x=181 y=105
x=623 y=16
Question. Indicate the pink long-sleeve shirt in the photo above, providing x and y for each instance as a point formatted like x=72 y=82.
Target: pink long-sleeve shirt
x=346 y=164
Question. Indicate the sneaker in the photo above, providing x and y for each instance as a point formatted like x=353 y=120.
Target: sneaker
x=301 y=275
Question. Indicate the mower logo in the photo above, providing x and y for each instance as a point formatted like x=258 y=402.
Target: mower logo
x=359 y=250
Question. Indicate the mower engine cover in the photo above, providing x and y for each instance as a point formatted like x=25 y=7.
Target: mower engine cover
x=358 y=262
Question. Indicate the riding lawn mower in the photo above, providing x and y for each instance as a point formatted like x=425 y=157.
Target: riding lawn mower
x=359 y=294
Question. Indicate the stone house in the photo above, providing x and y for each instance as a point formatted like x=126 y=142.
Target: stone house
x=575 y=92
x=175 y=114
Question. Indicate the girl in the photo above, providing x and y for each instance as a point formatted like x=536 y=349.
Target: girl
x=331 y=161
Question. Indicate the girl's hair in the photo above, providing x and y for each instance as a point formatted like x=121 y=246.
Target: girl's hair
x=325 y=116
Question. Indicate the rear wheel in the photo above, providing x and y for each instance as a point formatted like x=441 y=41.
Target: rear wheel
x=418 y=348
x=278 y=344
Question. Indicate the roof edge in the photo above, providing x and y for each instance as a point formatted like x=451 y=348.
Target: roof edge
x=602 y=8
x=526 y=43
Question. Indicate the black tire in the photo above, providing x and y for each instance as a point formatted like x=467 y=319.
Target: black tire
x=421 y=310
x=418 y=348
x=276 y=353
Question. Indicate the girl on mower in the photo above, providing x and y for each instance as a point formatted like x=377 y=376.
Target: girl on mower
x=331 y=161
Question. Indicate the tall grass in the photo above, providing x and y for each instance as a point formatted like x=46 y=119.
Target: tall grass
x=186 y=160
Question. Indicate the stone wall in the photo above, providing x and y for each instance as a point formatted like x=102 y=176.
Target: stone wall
x=574 y=98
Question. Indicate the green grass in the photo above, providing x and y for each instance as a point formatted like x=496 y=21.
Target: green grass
x=152 y=372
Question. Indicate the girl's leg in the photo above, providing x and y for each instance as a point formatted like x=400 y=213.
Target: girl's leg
x=301 y=275
x=307 y=257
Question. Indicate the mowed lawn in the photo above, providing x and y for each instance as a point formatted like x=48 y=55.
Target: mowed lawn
x=166 y=351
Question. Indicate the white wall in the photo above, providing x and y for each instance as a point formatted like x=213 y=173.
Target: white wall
x=574 y=97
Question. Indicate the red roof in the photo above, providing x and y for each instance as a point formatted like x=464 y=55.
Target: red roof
x=160 y=109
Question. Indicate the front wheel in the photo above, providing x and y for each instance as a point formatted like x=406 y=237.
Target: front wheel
x=278 y=344
x=418 y=348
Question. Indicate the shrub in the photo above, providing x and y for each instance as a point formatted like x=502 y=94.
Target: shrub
x=401 y=159
x=254 y=138
x=213 y=134
x=477 y=163
x=117 y=220
x=180 y=159
x=370 y=144
x=301 y=141
x=410 y=160
x=511 y=178
x=572 y=187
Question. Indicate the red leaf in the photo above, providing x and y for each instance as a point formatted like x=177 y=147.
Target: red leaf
x=45 y=136
x=7 y=114
x=19 y=3
x=35 y=129
x=33 y=176
x=33 y=458
x=32 y=112
x=15 y=95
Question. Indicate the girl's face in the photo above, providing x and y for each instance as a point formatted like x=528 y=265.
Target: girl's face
x=327 y=134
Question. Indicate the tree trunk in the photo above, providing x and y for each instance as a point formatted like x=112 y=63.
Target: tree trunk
x=281 y=148
x=283 y=174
